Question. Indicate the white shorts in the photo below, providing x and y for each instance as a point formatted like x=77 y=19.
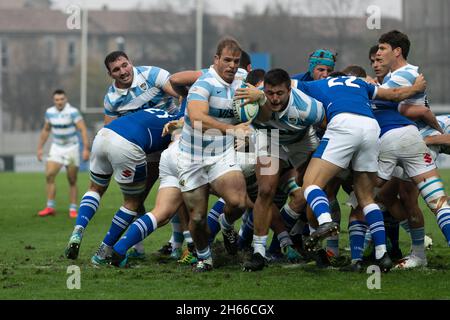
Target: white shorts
x=168 y=172
x=294 y=154
x=404 y=147
x=194 y=173
x=351 y=138
x=65 y=155
x=111 y=153
x=247 y=162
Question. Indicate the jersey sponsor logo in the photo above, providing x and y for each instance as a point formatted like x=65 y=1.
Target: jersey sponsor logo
x=226 y=113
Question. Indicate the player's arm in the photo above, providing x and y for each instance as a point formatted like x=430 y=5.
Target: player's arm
x=84 y=137
x=402 y=93
x=420 y=112
x=441 y=139
x=180 y=81
x=45 y=132
x=198 y=114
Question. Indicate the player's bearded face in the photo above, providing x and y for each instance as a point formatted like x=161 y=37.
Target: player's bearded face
x=121 y=71
x=278 y=96
x=227 y=64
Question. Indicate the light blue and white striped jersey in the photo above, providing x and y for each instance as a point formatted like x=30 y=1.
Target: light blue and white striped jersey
x=301 y=112
x=62 y=123
x=405 y=77
x=444 y=123
x=211 y=88
x=146 y=91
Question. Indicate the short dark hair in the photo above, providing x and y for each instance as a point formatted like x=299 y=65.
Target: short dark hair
x=59 y=91
x=336 y=74
x=113 y=56
x=230 y=43
x=396 y=39
x=255 y=76
x=373 y=50
x=276 y=77
x=356 y=71
x=245 y=60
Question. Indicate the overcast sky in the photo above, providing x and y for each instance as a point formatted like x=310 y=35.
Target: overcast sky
x=389 y=8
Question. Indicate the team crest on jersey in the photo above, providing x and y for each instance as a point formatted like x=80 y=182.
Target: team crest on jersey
x=143 y=86
x=292 y=120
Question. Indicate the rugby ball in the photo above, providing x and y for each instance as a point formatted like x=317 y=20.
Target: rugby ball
x=245 y=112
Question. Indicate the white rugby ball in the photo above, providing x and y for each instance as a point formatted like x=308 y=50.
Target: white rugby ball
x=244 y=113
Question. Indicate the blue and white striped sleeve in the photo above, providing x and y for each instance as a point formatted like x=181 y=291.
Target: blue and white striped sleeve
x=108 y=109
x=200 y=91
x=401 y=79
x=157 y=77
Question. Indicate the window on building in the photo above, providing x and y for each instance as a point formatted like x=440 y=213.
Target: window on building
x=4 y=53
x=71 y=53
x=50 y=47
x=120 y=41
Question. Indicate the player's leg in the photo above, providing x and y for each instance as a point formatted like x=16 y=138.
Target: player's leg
x=262 y=210
x=72 y=172
x=432 y=190
x=357 y=228
x=168 y=201
x=318 y=174
x=51 y=170
x=196 y=201
x=232 y=188
x=415 y=223
x=88 y=207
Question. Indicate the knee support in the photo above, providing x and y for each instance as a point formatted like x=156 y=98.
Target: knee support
x=433 y=192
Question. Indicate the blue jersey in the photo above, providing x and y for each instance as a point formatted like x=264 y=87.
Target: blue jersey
x=302 y=77
x=387 y=115
x=341 y=95
x=144 y=128
x=146 y=91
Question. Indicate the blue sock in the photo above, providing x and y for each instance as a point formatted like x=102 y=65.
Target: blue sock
x=275 y=245
x=246 y=231
x=120 y=223
x=138 y=231
x=88 y=206
x=443 y=220
x=289 y=216
x=318 y=201
x=213 y=219
x=357 y=233
x=73 y=206
x=177 y=234
x=374 y=218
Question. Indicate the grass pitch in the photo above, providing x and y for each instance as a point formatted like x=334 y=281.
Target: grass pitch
x=32 y=265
